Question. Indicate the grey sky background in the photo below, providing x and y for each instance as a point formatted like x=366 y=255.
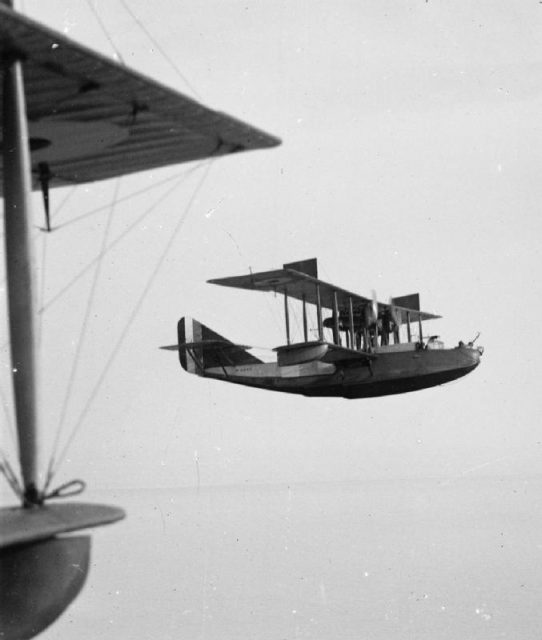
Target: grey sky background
x=410 y=162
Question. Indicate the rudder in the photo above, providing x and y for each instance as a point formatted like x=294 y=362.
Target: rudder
x=202 y=348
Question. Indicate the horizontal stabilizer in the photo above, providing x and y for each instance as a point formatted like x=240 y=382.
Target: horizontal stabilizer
x=21 y=526
x=201 y=348
x=224 y=344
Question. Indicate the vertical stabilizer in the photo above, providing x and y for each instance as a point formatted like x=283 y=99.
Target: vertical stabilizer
x=201 y=348
x=188 y=331
x=308 y=267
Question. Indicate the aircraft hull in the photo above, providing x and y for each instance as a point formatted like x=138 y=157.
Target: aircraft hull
x=389 y=373
x=394 y=386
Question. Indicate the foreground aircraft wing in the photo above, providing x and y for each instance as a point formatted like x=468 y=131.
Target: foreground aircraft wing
x=91 y=118
x=300 y=280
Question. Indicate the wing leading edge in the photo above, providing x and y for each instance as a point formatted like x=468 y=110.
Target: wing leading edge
x=91 y=118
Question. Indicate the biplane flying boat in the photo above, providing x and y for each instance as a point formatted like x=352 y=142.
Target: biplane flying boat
x=363 y=349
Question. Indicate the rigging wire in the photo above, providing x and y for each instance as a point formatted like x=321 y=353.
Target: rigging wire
x=9 y=422
x=123 y=235
x=127 y=197
x=64 y=201
x=13 y=473
x=278 y=320
x=159 y=48
x=7 y=471
x=295 y=313
x=104 y=29
x=41 y=294
x=273 y=314
x=105 y=207
x=131 y=319
x=82 y=335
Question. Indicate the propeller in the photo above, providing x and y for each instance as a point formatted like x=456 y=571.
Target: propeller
x=371 y=311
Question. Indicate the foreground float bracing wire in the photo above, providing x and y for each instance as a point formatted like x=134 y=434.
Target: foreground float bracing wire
x=12 y=479
x=105 y=30
x=129 y=196
x=82 y=333
x=156 y=44
x=57 y=458
x=134 y=225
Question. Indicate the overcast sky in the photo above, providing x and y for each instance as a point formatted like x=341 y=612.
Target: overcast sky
x=410 y=162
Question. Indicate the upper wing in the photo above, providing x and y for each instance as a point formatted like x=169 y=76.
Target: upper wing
x=305 y=285
x=91 y=118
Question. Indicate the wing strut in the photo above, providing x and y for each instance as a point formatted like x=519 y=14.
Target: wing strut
x=45 y=176
x=351 y=319
x=319 y=313
x=20 y=269
x=305 y=326
x=287 y=316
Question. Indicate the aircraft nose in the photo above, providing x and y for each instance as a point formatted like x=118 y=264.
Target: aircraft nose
x=475 y=354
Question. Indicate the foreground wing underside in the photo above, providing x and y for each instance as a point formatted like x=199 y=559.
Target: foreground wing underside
x=91 y=118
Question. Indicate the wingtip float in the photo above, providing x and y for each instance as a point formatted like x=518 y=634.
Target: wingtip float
x=365 y=348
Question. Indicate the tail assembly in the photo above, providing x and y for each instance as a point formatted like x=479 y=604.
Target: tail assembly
x=200 y=349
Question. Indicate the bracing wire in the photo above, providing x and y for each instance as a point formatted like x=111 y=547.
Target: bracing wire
x=7 y=471
x=41 y=294
x=105 y=207
x=10 y=426
x=295 y=314
x=64 y=201
x=159 y=48
x=241 y=254
x=82 y=334
x=127 y=197
x=123 y=235
x=104 y=29
x=131 y=319
x=38 y=232
x=272 y=311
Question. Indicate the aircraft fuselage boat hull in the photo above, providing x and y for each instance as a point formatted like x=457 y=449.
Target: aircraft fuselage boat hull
x=391 y=373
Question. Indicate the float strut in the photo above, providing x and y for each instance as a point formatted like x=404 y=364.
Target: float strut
x=45 y=176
